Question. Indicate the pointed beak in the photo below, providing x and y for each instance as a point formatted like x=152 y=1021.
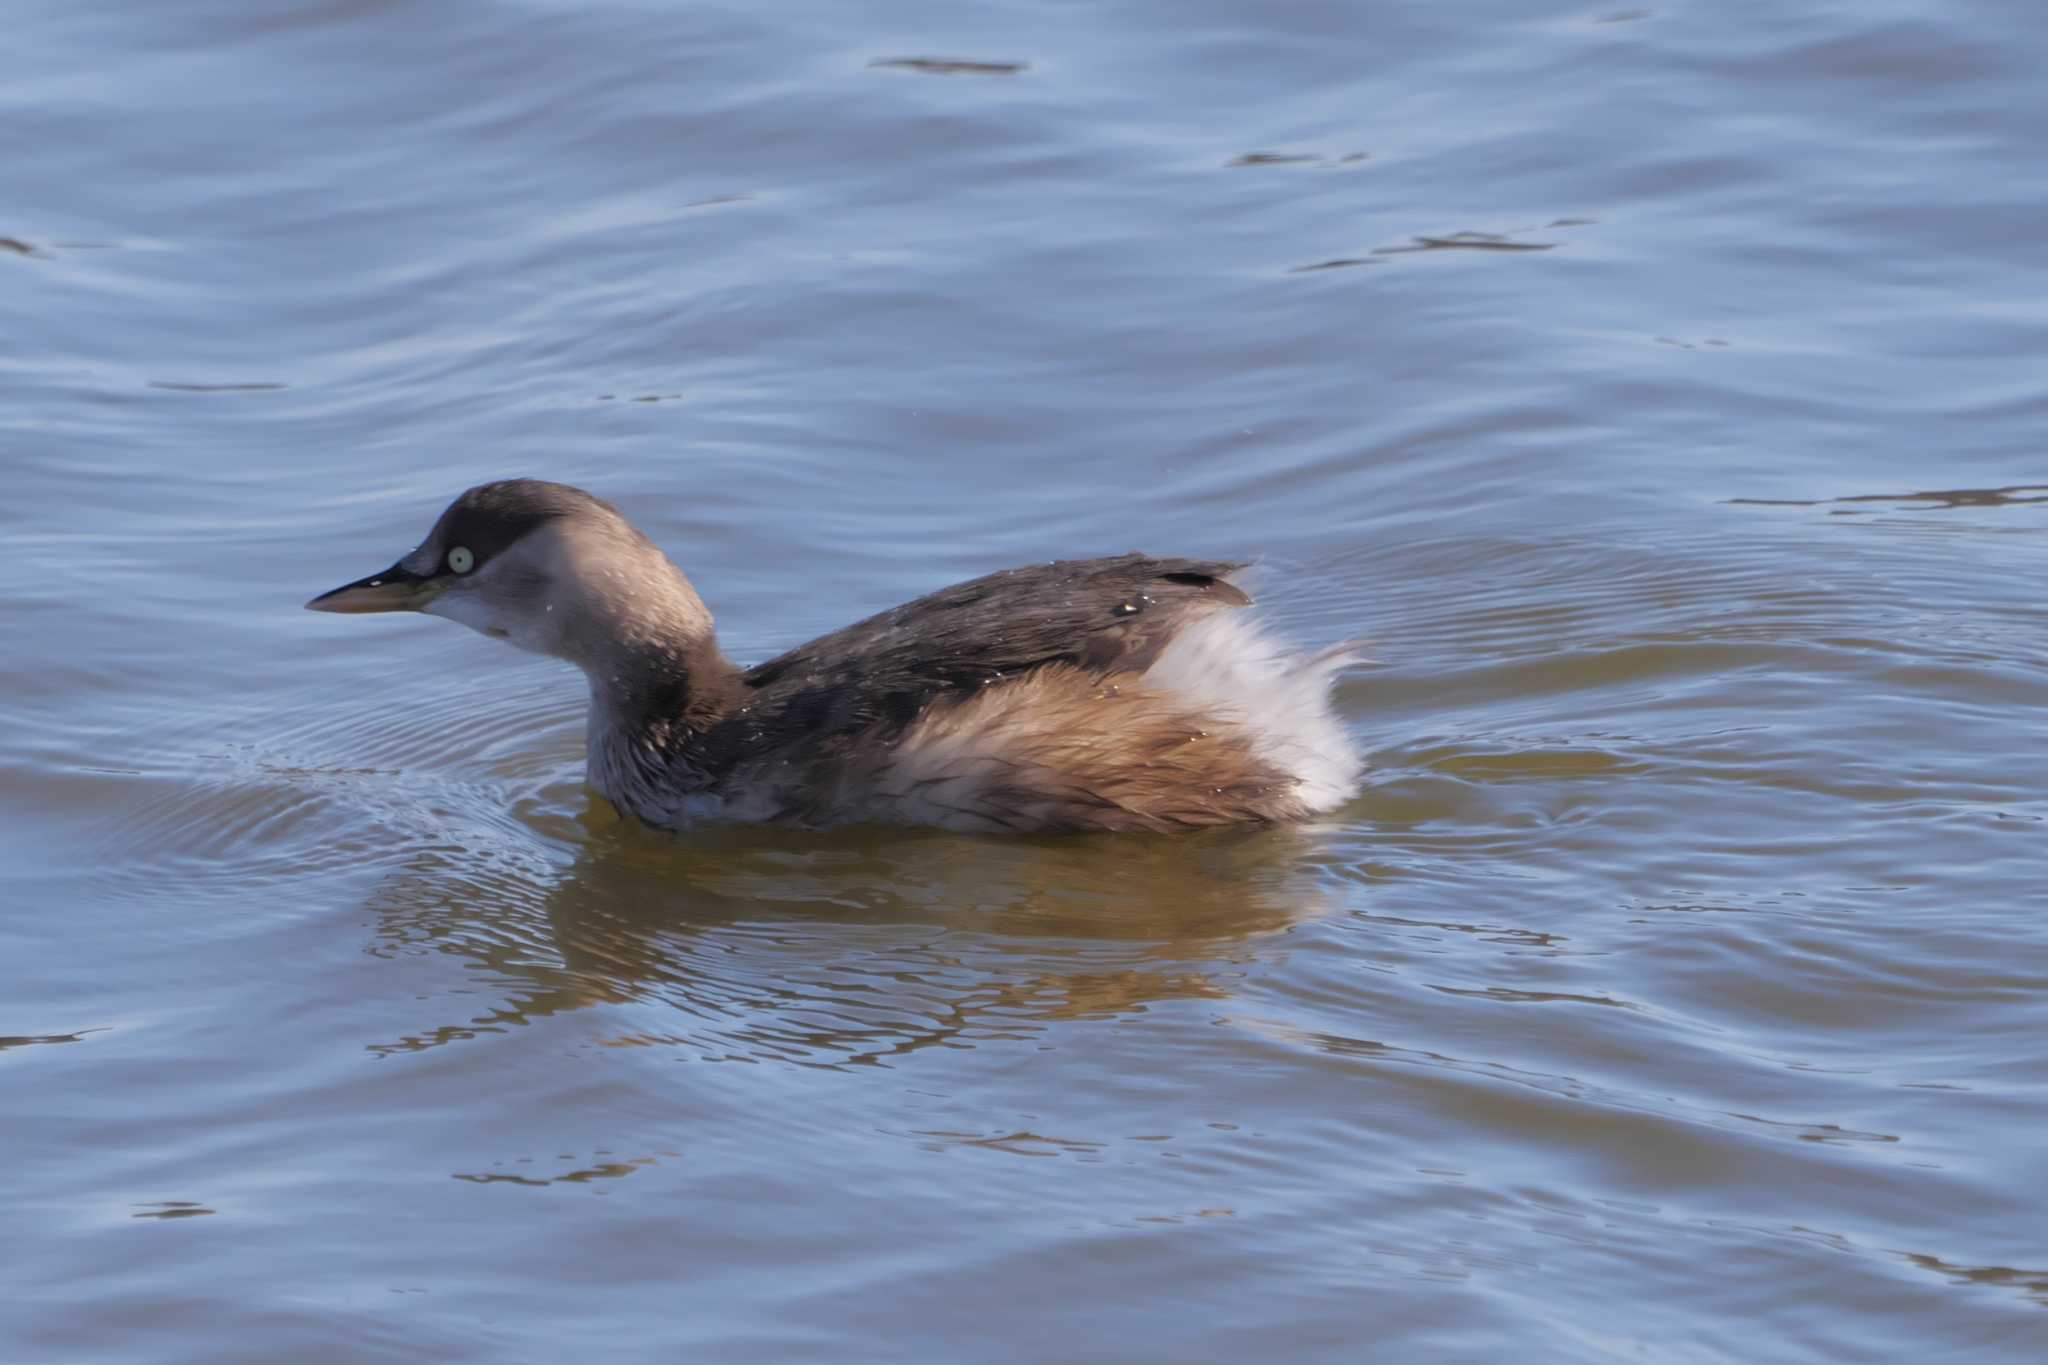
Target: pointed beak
x=396 y=589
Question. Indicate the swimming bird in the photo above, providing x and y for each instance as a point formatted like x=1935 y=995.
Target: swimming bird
x=1123 y=693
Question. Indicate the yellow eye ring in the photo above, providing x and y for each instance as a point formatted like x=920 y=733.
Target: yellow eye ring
x=460 y=560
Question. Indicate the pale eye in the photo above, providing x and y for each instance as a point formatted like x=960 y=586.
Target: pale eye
x=460 y=560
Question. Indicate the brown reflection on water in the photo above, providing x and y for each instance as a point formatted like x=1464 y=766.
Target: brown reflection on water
x=843 y=948
x=602 y=1164
x=2032 y=1283
x=1933 y=500
x=79 y=1037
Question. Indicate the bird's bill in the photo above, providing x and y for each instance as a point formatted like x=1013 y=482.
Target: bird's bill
x=395 y=589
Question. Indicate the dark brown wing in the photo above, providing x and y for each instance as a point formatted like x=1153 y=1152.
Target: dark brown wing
x=1101 y=615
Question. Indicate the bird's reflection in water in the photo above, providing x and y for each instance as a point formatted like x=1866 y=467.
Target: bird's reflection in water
x=837 y=948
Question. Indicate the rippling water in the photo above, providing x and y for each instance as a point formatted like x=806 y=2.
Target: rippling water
x=1659 y=389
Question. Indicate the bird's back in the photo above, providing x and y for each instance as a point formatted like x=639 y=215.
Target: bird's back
x=875 y=677
x=1022 y=700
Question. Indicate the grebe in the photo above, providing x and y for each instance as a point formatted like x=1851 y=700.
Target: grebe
x=1093 y=694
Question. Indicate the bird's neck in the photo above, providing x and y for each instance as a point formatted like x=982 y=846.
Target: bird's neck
x=653 y=687
x=658 y=682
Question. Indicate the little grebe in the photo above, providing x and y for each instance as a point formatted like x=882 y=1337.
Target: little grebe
x=1092 y=694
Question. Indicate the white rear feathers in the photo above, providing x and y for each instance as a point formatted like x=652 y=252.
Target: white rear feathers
x=1228 y=668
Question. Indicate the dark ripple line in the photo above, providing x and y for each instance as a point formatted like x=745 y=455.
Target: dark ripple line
x=1943 y=500
x=37 y=1040
x=1664 y=1108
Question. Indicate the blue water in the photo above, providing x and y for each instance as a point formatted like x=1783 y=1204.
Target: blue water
x=1658 y=389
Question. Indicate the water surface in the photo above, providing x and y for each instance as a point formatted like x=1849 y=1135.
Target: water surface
x=1659 y=389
